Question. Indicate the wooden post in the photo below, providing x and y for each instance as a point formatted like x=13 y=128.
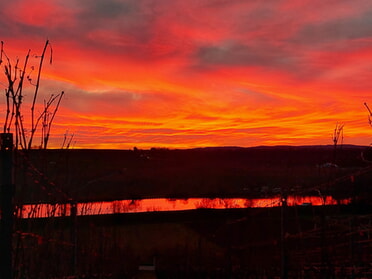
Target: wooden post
x=283 y=230
x=6 y=205
x=73 y=215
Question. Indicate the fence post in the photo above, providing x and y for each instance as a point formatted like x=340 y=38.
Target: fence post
x=283 y=240
x=6 y=205
x=73 y=216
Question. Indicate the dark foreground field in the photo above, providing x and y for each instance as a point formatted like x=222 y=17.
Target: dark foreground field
x=304 y=242
x=292 y=242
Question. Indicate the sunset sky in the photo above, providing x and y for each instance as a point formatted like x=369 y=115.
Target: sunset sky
x=195 y=73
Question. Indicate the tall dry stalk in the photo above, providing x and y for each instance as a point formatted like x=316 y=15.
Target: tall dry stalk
x=337 y=133
x=369 y=115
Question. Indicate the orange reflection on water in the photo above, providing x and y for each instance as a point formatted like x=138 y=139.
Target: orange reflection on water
x=151 y=205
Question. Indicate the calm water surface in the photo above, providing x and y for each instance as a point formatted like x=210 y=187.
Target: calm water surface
x=147 y=205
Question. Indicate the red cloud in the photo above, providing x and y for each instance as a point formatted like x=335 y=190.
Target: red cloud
x=200 y=73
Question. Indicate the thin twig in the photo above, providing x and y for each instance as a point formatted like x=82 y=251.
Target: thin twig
x=52 y=118
x=69 y=142
x=7 y=112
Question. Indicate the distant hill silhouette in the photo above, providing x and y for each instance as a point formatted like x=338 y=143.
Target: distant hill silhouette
x=86 y=175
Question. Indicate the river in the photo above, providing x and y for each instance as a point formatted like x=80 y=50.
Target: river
x=43 y=210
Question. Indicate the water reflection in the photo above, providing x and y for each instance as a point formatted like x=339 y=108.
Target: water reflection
x=146 y=205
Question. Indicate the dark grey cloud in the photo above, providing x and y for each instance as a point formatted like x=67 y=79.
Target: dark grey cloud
x=123 y=17
x=121 y=26
x=108 y=102
x=97 y=12
x=239 y=54
x=334 y=31
x=11 y=28
x=108 y=8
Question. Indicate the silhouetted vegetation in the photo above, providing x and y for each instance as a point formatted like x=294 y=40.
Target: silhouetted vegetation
x=25 y=125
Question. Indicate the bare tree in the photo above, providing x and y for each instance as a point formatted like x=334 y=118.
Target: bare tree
x=16 y=75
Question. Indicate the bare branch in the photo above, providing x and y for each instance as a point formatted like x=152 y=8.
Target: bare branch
x=33 y=127
x=68 y=144
x=1 y=53
x=49 y=124
x=370 y=114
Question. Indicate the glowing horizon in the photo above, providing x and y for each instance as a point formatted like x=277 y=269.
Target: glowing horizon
x=189 y=74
